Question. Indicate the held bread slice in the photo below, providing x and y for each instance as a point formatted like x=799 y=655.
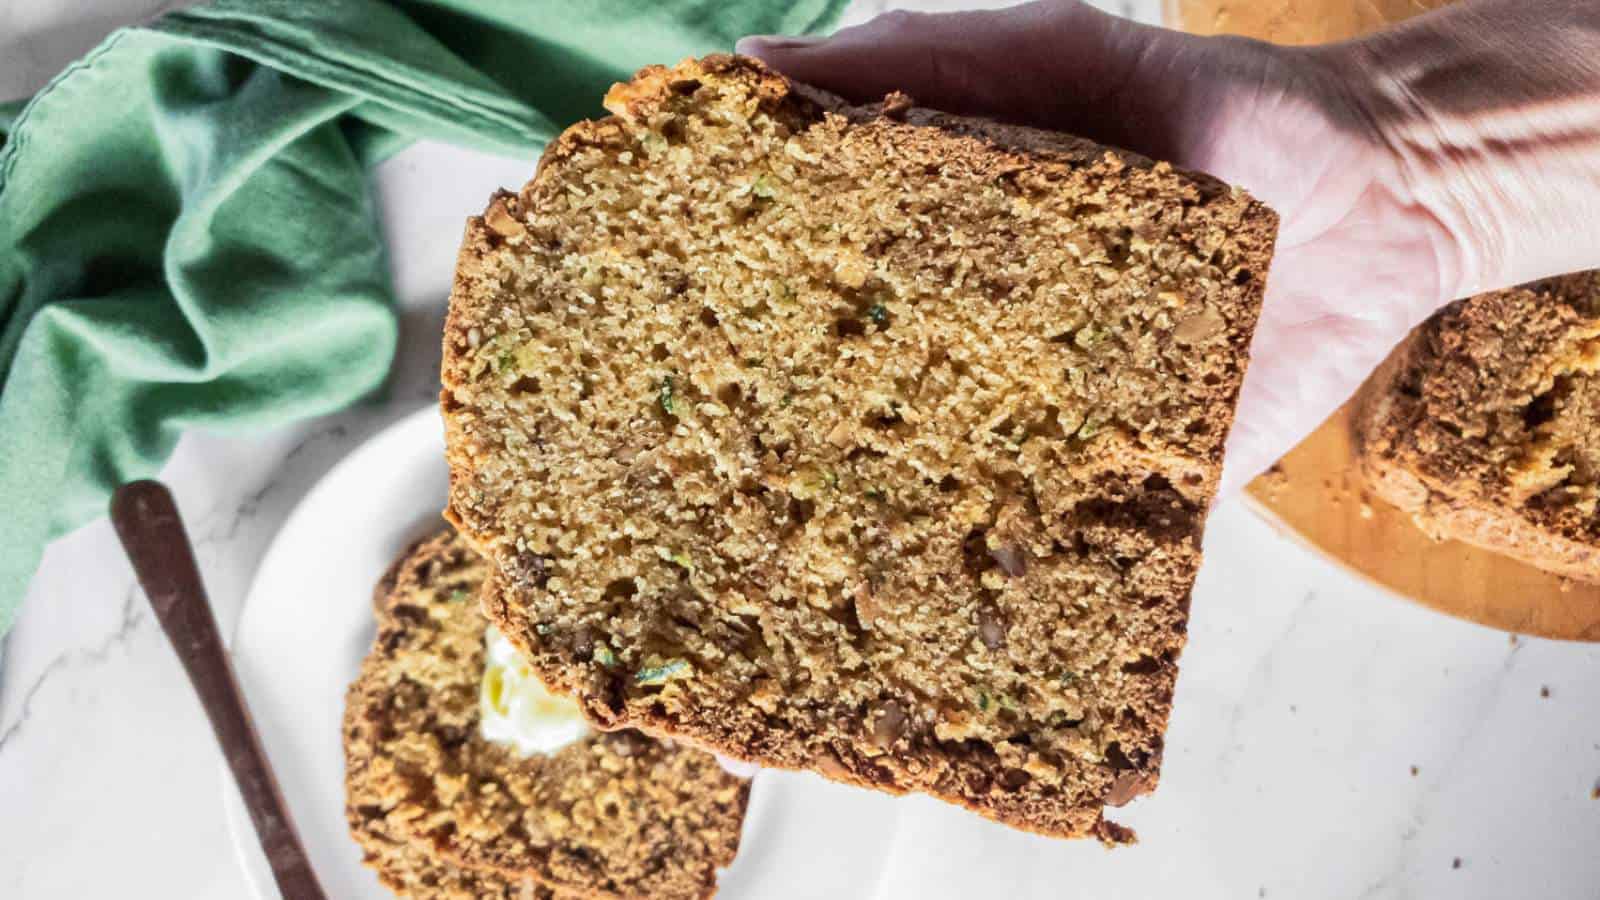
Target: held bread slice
x=442 y=812
x=1485 y=424
x=867 y=440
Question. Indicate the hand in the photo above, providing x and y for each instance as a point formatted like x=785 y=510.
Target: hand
x=1378 y=229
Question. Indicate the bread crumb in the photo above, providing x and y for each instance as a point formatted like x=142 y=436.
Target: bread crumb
x=897 y=104
x=1274 y=480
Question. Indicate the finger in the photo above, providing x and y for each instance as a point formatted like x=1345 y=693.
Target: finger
x=989 y=61
x=1057 y=64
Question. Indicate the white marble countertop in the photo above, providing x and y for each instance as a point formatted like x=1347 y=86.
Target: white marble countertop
x=1340 y=742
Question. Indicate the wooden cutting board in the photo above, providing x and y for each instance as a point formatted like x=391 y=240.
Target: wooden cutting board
x=1316 y=496
x=1292 y=21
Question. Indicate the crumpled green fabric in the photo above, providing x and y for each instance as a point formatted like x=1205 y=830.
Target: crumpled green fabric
x=187 y=235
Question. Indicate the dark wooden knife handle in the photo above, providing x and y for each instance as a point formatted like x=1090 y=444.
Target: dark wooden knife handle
x=147 y=521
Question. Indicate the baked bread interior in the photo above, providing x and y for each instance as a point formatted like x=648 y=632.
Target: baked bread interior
x=867 y=440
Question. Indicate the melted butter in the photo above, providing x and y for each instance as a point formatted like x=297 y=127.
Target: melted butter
x=517 y=710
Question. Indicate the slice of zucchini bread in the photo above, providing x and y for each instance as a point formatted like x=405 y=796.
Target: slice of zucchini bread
x=419 y=875
x=1485 y=424
x=441 y=811
x=867 y=440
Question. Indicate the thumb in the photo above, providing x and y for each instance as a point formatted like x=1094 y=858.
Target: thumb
x=1058 y=64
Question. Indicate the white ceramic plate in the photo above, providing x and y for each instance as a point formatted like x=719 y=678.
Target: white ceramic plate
x=308 y=621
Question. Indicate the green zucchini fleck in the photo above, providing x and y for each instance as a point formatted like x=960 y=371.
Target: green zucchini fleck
x=655 y=675
x=664 y=396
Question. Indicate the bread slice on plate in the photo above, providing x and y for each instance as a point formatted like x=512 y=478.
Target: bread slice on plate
x=1485 y=424
x=414 y=873
x=440 y=811
x=867 y=440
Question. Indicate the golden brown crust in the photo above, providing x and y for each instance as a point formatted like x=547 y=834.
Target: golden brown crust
x=908 y=489
x=439 y=809
x=1483 y=424
x=412 y=872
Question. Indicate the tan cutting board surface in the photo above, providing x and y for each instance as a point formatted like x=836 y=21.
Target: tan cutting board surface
x=1292 y=21
x=1316 y=496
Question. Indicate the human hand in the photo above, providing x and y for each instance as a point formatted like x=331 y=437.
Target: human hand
x=1380 y=223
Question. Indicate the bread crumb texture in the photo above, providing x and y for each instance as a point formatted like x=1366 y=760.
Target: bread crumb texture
x=866 y=440
x=1485 y=424
x=442 y=813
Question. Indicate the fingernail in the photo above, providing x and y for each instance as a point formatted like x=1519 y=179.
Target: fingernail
x=760 y=44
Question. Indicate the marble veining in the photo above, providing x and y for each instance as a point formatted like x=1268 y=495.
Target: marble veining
x=1255 y=686
x=133 y=615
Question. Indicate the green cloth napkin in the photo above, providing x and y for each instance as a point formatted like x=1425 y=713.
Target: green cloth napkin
x=187 y=232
